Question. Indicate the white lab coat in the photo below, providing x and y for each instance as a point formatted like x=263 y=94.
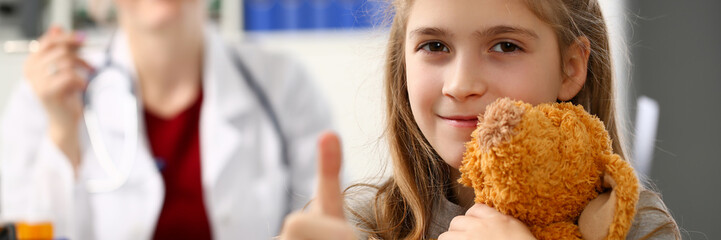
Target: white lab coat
x=244 y=180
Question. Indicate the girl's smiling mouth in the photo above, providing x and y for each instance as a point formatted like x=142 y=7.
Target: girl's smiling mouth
x=461 y=121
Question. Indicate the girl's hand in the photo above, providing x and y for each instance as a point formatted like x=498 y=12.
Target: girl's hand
x=52 y=75
x=325 y=219
x=596 y=218
x=484 y=222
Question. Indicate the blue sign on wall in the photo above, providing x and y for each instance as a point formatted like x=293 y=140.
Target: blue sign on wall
x=273 y=15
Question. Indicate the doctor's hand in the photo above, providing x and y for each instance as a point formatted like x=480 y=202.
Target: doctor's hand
x=53 y=77
x=484 y=222
x=325 y=220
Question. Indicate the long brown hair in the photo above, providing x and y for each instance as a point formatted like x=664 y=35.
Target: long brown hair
x=402 y=205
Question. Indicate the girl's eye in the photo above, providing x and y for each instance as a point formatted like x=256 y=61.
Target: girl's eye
x=434 y=47
x=505 y=47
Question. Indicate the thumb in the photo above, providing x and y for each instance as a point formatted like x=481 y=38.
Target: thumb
x=329 y=199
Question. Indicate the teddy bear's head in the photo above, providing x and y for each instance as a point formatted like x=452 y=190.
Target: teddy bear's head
x=539 y=164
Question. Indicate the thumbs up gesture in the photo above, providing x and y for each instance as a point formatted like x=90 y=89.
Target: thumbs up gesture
x=325 y=220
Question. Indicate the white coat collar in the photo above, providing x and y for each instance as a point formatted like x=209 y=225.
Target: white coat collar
x=226 y=99
x=120 y=54
x=222 y=82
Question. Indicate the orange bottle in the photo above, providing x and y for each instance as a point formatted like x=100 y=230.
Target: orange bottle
x=35 y=231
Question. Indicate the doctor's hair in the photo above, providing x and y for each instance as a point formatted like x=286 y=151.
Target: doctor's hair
x=402 y=206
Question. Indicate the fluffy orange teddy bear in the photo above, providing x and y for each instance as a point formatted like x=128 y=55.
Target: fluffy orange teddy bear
x=544 y=164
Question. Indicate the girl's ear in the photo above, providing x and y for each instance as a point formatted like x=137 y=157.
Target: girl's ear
x=575 y=68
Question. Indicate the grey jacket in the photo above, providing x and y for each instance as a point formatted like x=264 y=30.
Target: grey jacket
x=652 y=220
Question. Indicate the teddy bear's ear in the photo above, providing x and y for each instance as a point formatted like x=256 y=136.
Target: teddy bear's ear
x=497 y=122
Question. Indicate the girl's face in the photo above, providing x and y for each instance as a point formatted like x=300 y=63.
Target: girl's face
x=461 y=55
x=155 y=15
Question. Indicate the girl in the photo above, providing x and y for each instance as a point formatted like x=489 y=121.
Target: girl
x=446 y=61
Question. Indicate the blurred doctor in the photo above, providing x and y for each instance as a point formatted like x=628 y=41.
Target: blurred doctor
x=208 y=163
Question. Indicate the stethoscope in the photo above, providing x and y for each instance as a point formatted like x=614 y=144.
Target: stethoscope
x=117 y=177
x=129 y=108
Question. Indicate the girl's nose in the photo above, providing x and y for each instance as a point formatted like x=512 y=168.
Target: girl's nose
x=464 y=80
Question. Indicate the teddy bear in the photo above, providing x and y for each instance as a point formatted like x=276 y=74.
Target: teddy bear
x=544 y=164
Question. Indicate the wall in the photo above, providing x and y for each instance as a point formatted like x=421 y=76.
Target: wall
x=347 y=67
x=677 y=61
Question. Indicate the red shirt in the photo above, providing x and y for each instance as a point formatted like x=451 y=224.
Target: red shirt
x=175 y=144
